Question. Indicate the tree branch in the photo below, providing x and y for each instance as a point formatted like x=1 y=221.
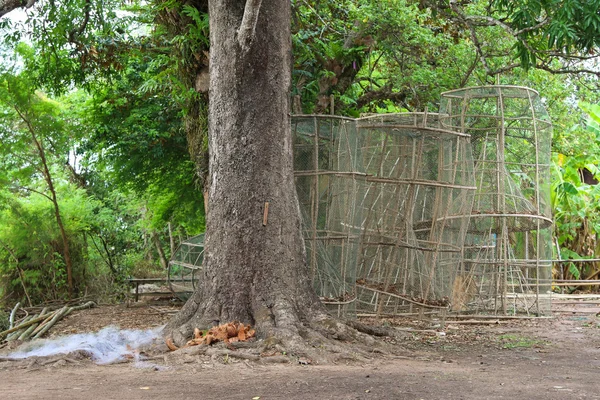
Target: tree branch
x=478 y=48
x=7 y=6
x=33 y=191
x=506 y=68
x=384 y=94
x=465 y=79
x=469 y=21
x=544 y=67
x=75 y=33
x=465 y=19
x=76 y=178
x=108 y=259
x=246 y=32
x=567 y=56
x=372 y=82
x=568 y=70
x=489 y=21
x=316 y=13
x=10 y=251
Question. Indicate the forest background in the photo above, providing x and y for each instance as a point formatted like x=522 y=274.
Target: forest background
x=103 y=117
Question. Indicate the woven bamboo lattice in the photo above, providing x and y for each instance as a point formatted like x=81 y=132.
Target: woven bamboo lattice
x=385 y=201
x=510 y=225
x=329 y=182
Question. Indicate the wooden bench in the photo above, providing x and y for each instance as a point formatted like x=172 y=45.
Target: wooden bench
x=136 y=282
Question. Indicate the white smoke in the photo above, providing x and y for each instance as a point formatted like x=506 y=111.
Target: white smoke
x=106 y=346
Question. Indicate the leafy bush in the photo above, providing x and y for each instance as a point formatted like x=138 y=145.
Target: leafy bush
x=575 y=201
x=4 y=320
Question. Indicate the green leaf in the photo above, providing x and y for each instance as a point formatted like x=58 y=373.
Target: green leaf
x=573 y=270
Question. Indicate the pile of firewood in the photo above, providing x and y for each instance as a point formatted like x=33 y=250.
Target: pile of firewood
x=33 y=326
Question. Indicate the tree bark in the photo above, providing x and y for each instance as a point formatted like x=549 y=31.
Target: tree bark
x=7 y=6
x=171 y=238
x=164 y=263
x=255 y=267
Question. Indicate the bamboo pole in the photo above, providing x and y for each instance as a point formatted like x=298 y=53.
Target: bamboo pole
x=315 y=200
x=28 y=332
x=405 y=298
x=63 y=312
x=11 y=320
x=21 y=326
x=15 y=335
x=25 y=335
x=57 y=316
x=44 y=322
x=46 y=318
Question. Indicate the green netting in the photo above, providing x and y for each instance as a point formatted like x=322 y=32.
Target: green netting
x=385 y=202
x=508 y=248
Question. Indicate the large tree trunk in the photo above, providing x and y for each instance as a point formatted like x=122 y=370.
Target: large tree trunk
x=254 y=267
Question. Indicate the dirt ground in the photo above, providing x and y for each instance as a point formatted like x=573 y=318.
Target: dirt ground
x=555 y=358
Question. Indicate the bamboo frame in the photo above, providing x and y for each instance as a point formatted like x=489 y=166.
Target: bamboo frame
x=503 y=121
x=384 y=161
x=389 y=200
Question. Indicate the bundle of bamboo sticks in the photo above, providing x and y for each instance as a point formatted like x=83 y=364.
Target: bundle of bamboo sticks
x=35 y=325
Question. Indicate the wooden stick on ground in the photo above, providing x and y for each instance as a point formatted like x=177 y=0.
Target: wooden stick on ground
x=89 y=304
x=476 y=322
x=10 y=359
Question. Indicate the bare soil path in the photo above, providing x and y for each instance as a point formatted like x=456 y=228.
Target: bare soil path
x=556 y=358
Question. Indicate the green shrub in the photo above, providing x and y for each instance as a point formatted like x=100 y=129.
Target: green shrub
x=4 y=323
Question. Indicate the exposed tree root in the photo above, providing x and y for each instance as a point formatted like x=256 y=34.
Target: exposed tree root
x=381 y=331
x=321 y=339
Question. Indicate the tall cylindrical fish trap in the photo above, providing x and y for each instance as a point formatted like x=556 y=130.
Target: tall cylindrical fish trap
x=506 y=267
x=414 y=212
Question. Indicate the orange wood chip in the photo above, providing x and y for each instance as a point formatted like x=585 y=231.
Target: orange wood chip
x=228 y=333
x=197 y=333
x=231 y=329
x=171 y=345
